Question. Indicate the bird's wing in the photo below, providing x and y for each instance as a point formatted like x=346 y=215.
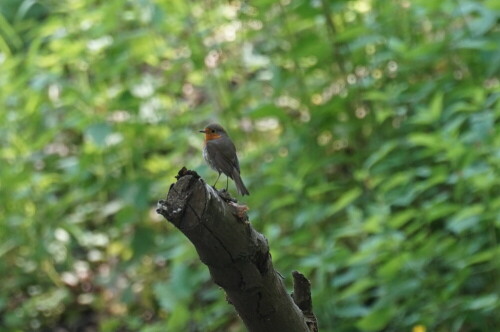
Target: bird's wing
x=224 y=156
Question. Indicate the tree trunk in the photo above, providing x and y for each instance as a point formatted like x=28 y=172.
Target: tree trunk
x=237 y=256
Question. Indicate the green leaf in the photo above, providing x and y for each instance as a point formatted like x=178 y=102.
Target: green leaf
x=377 y=319
x=178 y=318
x=358 y=287
x=484 y=256
x=97 y=133
x=424 y=140
x=487 y=302
x=380 y=154
x=344 y=200
x=143 y=241
x=467 y=218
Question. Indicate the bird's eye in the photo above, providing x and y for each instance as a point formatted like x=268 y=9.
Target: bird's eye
x=213 y=130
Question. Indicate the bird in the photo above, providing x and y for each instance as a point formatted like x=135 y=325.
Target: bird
x=220 y=154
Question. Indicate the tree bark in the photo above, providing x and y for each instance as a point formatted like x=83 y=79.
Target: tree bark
x=237 y=256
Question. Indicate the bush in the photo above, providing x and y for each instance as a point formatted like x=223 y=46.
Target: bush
x=367 y=133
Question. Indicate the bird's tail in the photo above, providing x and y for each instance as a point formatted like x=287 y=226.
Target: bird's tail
x=240 y=186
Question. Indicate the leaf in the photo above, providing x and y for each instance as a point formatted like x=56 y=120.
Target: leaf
x=394 y=266
x=425 y=140
x=488 y=302
x=97 y=133
x=377 y=319
x=399 y=219
x=143 y=242
x=358 y=287
x=432 y=114
x=266 y=110
x=380 y=154
x=346 y=199
x=178 y=318
x=465 y=219
x=484 y=256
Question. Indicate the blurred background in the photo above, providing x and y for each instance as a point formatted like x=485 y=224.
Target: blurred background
x=367 y=134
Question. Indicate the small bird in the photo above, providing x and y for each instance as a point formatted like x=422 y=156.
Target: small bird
x=220 y=154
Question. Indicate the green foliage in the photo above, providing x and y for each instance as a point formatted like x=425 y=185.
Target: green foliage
x=367 y=133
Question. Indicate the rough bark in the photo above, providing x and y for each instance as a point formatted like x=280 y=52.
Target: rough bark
x=237 y=256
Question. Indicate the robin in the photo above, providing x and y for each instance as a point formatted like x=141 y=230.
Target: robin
x=220 y=154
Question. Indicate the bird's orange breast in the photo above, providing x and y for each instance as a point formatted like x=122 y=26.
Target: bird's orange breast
x=211 y=136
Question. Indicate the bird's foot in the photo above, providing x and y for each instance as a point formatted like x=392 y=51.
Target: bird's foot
x=224 y=194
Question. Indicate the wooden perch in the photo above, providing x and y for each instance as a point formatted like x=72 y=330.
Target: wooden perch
x=237 y=256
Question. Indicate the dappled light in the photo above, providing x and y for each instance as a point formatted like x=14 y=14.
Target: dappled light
x=367 y=134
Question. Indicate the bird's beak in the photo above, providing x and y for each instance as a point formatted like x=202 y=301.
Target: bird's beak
x=202 y=131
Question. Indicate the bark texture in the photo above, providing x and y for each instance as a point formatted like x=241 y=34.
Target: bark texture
x=237 y=256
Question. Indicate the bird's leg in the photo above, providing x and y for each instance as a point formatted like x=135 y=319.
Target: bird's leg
x=216 y=180
x=227 y=182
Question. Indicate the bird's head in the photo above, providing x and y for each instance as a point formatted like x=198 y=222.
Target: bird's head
x=213 y=131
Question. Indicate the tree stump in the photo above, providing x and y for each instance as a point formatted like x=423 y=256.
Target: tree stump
x=237 y=256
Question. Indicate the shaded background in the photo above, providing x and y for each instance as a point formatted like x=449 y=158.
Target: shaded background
x=367 y=133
